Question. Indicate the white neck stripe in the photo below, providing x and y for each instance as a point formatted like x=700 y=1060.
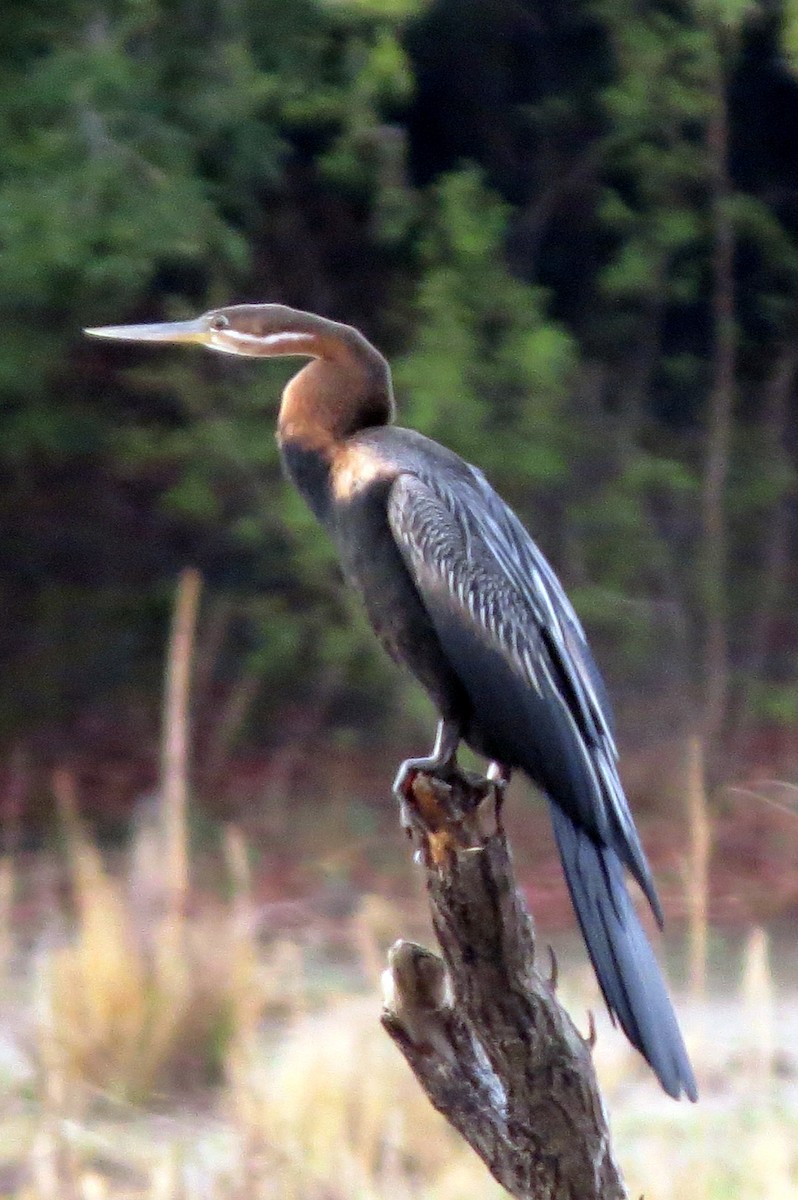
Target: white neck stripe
x=221 y=337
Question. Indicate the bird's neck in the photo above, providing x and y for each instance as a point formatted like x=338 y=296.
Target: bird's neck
x=346 y=388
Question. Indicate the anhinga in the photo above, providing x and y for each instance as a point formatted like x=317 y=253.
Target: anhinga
x=458 y=592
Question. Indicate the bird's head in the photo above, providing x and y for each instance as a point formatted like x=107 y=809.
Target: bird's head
x=258 y=330
x=349 y=389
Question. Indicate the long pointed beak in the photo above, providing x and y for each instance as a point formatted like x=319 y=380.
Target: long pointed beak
x=167 y=331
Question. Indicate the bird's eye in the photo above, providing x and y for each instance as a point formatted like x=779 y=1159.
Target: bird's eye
x=220 y=322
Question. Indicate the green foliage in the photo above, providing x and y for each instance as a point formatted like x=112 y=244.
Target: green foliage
x=657 y=107
x=790 y=30
x=141 y=144
x=776 y=703
x=489 y=371
x=396 y=164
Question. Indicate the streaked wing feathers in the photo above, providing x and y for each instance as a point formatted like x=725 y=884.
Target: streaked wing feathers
x=500 y=611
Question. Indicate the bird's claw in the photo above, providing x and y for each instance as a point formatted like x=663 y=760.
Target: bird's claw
x=403 y=789
x=403 y=782
x=499 y=776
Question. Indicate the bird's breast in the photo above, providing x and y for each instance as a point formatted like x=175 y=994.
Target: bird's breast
x=356 y=468
x=375 y=568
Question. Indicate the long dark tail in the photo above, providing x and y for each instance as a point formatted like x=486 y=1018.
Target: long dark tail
x=624 y=962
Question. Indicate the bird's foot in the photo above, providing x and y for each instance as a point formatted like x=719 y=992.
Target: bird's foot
x=405 y=777
x=443 y=805
x=499 y=776
x=421 y=766
x=440 y=764
x=440 y=802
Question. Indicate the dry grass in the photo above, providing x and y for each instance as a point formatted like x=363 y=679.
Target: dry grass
x=138 y=1000
x=317 y=1104
x=337 y=1114
x=174 y=1058
x=327 y=1110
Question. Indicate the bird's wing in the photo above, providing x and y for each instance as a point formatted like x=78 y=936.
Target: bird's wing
x=517 y=646
x=523 y=563
x=519 y=649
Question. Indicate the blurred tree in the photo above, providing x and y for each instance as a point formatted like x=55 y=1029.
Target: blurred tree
x=686 y=240
x=489 y=372
x=601 y=313
x=165 y=156
x=654 y=193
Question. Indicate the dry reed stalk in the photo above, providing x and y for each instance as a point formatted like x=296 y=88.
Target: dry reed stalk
x=258 y=1170
x=246 y=992
x=166 y=1182
x=697 y=895
x=54 y=1166
x=758 y=1008
x=6 y=913
x=12 y=800
x=175 y=744
x=95 y=990
x=697 y=868
x=237 y=863
x=52 y=1161
x=771 y=1159
x=374 y=927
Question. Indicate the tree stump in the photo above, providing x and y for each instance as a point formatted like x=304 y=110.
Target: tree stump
x=481 y=1026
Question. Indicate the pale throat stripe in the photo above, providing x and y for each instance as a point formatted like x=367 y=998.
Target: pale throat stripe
x=224 y=337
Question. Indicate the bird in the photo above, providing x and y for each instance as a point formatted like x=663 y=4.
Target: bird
x=458 y=592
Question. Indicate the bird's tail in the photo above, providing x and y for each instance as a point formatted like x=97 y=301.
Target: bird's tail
x=622 y=958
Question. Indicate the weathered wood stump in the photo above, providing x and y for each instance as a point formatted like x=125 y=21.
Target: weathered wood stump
x=481 y=1026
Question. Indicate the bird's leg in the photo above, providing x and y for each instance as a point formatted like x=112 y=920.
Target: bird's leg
x=442 y=760
x=499 y=776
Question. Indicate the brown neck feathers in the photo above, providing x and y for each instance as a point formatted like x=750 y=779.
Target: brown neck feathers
x=346 y=388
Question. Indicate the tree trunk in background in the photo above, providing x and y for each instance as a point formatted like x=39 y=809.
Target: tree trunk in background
x=697 y=867
x=775 y=531
x=175 y=745
x=715 y=534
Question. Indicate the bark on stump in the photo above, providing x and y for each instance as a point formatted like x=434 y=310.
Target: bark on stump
x=481 y=1026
